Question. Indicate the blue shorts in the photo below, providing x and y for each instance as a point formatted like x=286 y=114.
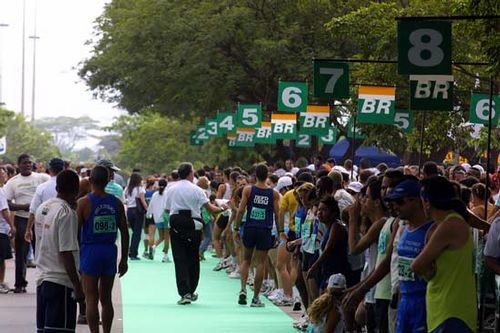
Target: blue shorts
x=411 y=314
x=453 y=325
x=98 y=259
x=257 y=238
x=160 y=225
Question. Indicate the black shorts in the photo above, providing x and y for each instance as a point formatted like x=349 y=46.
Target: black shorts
x=5 y=248
x=222 y=222
x=291 y=235
x=308 y=260
x=257 y=238
x=55 y=308
x=149 y=222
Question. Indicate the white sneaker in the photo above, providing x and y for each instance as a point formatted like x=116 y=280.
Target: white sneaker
x=227 y=262
x=301 y=321
x=276 y=294
x=231 y=269
x=284 y=301
x=219 y=266
x=234 y=275
x=166 y=258
x=4 y=288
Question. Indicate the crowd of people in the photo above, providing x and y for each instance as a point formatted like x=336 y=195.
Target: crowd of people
x=355 y=248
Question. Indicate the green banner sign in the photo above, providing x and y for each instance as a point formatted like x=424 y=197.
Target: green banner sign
x=431 y=92
x=249 y=115
x=264 y=133
x=424 y=47
x=303 y=140
x=211 y=127
x=376 y=105
x=480 y=109
x=331 y=79
x=315 y=120
x=350 y=127
x=284 y=126
x=330 y=138
x=292 y=96
x=245 y=137
x=193 y=139
x=226 y=122
x=403 y=120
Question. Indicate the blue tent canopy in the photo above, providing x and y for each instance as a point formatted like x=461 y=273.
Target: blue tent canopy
x=373 y=154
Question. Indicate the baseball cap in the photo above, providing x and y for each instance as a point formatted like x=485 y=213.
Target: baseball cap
x=478 y=167
x=284 y=182
x=56 y=163
x=337 y=281
x=355 y=186
x=108 y=164
x=406 y=189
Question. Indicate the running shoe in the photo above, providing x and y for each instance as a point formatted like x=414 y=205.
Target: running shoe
x=242 y=299
x=135 y=258
x=145 y=254
x=235 y=274
x=227 y=262
x=193 y=297
x=256 y=303
x=166 y=258
x=31 y=264
x=276 y=294
x=219 y=266
x=230 y=269
x=301 y=322
x=297 y=306
x=4 y=288
x=186 y=299
x=284 y=301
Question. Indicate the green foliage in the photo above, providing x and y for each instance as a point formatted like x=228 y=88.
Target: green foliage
x=187 y=59
x=23 y=137
x=155 y=143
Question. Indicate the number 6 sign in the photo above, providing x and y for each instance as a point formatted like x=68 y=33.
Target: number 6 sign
x=292 y=96
x=480 y=109
x=424 y=47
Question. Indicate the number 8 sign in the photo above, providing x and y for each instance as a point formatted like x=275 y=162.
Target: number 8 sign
x=292 y=96
x=424 y=47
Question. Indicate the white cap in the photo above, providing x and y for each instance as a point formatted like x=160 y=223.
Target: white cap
x=480 y=168
x=337 y=281
x=466 y=166
x=283 y=182
x=355 y=186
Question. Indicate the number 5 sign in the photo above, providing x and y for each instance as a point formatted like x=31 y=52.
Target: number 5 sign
x=480 y=109
x=331 y=79
x=249 y=116
x=292 y=96
x=424 y=47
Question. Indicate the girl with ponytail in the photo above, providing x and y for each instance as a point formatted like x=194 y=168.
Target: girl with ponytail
x=156 y=210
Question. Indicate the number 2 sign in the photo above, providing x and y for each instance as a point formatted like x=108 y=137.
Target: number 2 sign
x=424 y=47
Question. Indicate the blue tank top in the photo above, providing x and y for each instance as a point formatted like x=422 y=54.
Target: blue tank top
x=409 y=247
x=102 y=224
x=300 y=216
x=149 y=195
x=260 y=208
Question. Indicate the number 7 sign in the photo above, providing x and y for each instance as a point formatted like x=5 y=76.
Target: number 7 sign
x=331 y=79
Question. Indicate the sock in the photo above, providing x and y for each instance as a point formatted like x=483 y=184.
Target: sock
x=146 y=237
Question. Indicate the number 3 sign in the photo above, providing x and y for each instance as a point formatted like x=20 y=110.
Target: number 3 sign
x=424 y=47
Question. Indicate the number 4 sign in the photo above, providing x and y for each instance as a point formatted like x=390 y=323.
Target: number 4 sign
x=331 y=79
x=424 y=47
x=480 y=109
x=292 y=96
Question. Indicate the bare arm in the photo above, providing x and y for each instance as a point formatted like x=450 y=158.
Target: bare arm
x=243 y=204
x=123 y=266
x=423 y=264
x=220 y=191
x=333 y=239
x=477 y=222
x=70 y=267
x=16 y=207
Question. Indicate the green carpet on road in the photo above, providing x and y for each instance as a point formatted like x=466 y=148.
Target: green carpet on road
x=149 y=297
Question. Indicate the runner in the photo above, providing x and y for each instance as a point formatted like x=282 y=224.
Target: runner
x=58 y=286
x=112 y=187
x=100 y=216
x=19 y=192
x=149 y=223
x=221 y=221
x=447 y=260
x=261 y=204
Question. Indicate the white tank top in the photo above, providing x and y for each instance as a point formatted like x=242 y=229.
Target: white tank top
x=227 y=192
x=394 y=258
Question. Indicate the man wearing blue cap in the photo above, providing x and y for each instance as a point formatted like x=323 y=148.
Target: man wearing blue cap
x=405 y=199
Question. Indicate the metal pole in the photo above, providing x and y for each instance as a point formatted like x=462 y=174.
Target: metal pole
x=422 y=130
x=488 y=150
x=34 y=37
x=22 y=68
x=353 y=143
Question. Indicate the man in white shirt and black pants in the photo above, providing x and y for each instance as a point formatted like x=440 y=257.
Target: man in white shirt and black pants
x=184 y=202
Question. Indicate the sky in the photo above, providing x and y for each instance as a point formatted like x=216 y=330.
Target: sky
x=63 y=27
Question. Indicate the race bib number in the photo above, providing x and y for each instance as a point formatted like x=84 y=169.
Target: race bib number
x=258 y=214
x=405 y=274
x=306 y=229
x=104 y=224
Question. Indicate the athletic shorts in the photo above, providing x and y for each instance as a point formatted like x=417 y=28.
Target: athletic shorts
x=291 y=236
x=55 y=308
x=257 y=238
x=98 y=259
x=160 y=225
x=308 y=260
x=148 y=222
x=452 y=325
x=5 y=248
x=222 y=221
x=166 y=220
x=411 y=314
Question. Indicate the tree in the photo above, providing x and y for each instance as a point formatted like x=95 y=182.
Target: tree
x=23 y=137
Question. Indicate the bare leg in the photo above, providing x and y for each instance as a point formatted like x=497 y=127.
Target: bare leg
x=105 y=288
x=90 y=288
x=216 y=240
x=151 y=231
x=245 y=266
x=283 y=270
x=260 y=257
x=166 y=237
